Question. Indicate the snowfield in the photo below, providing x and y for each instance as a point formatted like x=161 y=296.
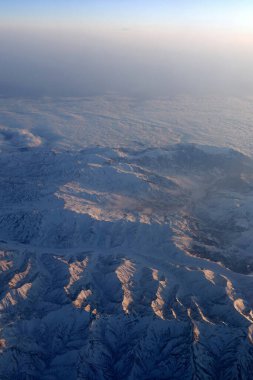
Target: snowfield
x=124 y=262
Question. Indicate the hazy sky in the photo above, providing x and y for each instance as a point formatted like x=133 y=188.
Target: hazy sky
x=232 y=13
x=141 y=47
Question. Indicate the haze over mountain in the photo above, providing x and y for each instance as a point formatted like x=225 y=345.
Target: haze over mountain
x=132 y=48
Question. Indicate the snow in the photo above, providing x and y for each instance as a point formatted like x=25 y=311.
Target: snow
x=124 y=261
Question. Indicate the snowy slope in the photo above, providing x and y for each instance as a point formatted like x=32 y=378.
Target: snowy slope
x=125 y=263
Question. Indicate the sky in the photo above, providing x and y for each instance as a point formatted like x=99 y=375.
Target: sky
x=230 y=14
x=141 y=47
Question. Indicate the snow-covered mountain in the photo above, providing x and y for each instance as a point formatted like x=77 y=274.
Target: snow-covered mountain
x=119 y=263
